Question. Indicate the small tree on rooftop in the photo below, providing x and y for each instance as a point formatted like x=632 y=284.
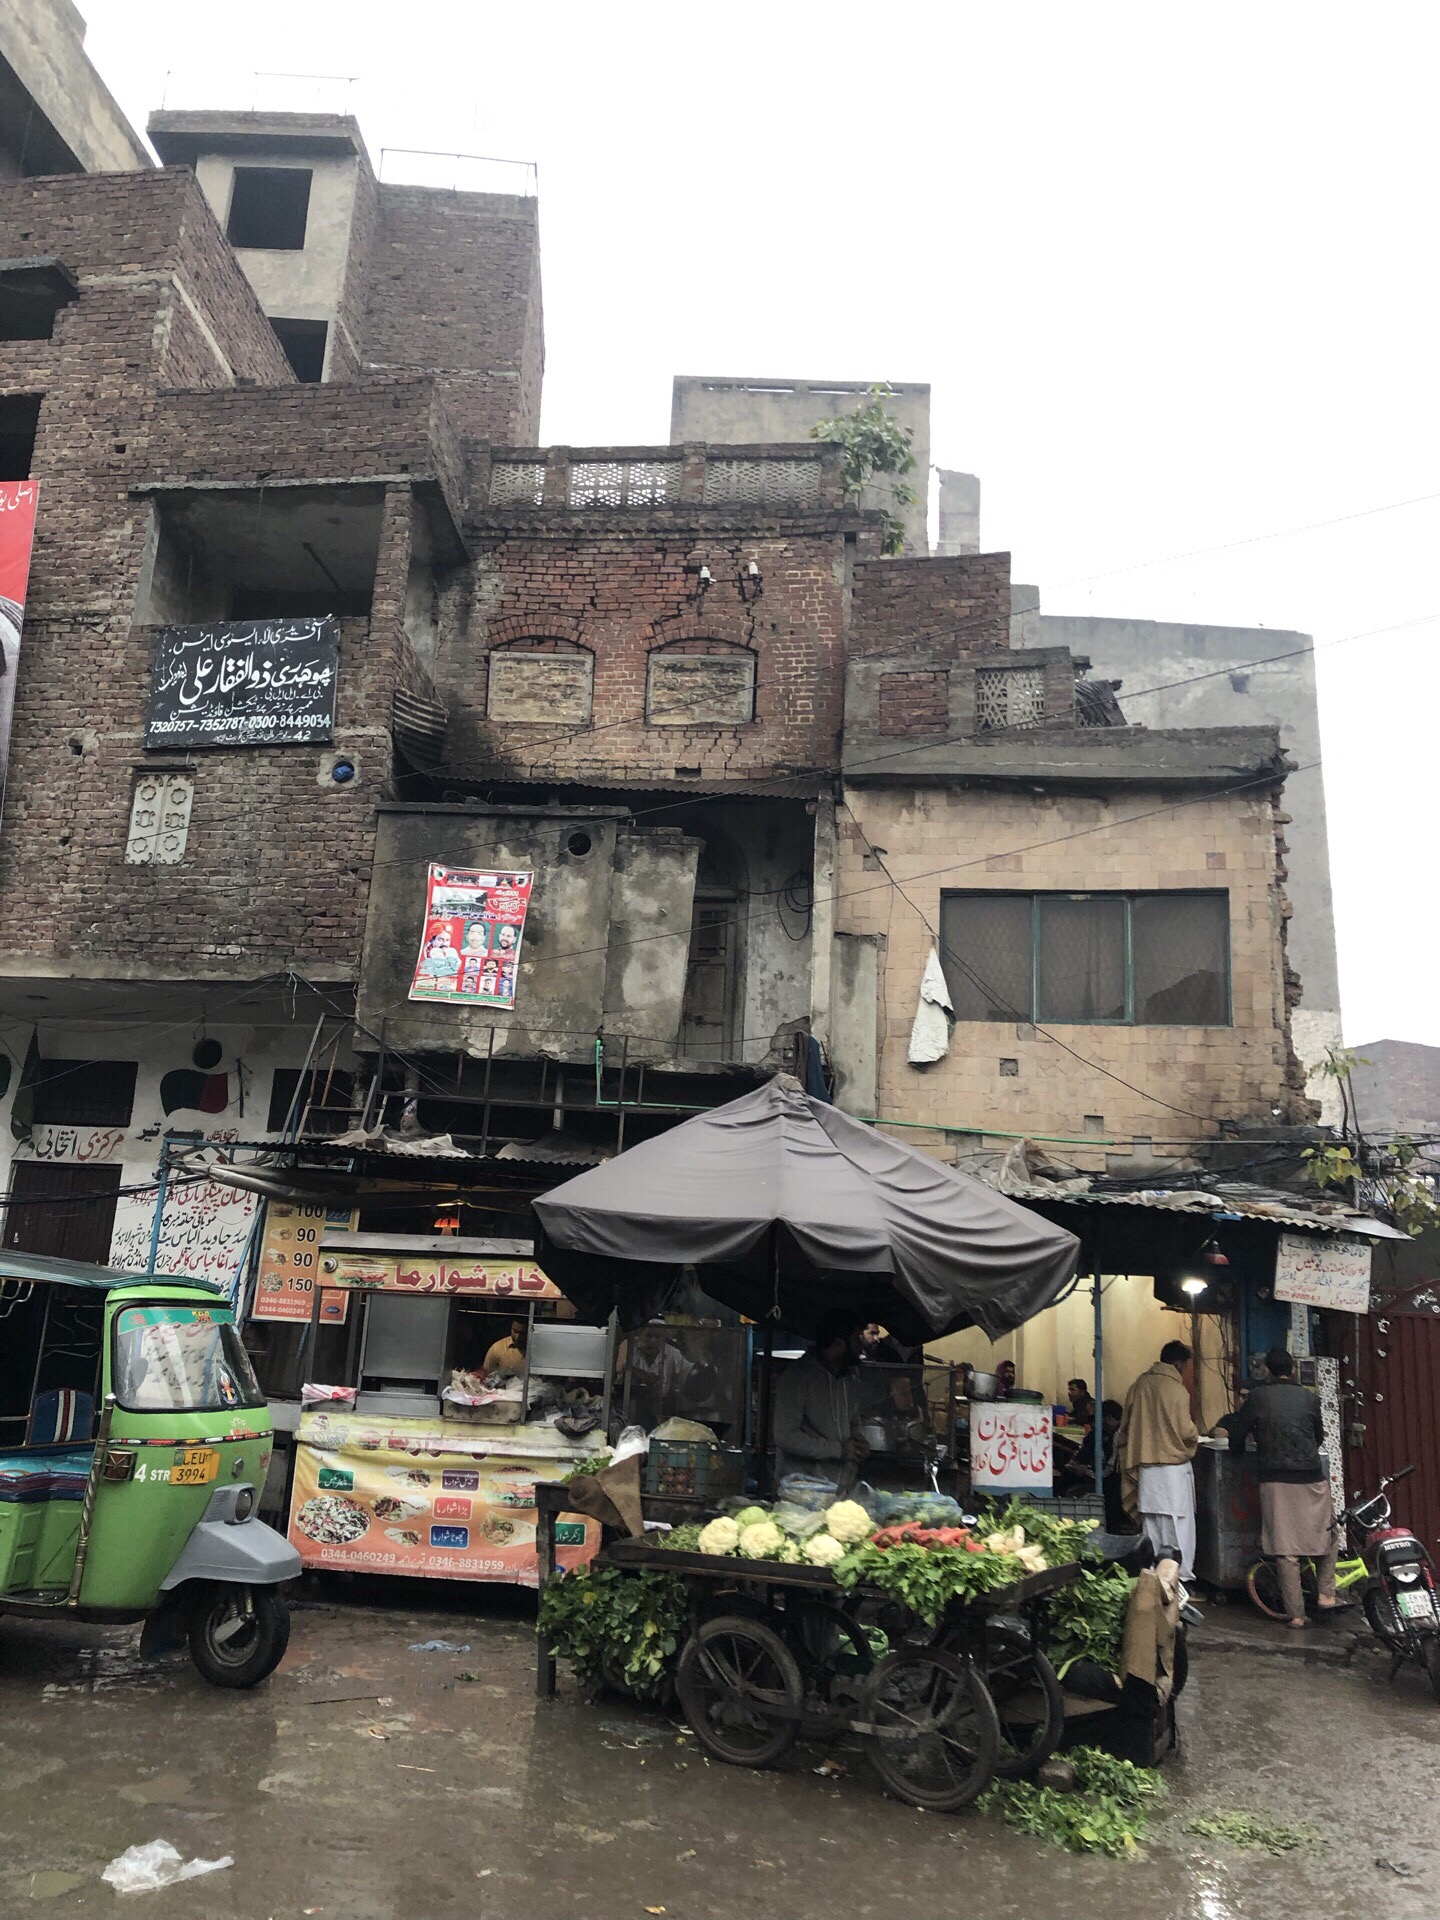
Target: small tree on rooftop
x=875 y=443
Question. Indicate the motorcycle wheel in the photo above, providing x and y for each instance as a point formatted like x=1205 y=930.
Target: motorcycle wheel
x=1430 y=1652
x=238 y=1635
x=1384 y=1618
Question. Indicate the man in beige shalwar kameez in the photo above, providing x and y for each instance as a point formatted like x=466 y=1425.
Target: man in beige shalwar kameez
x=1156 y=1444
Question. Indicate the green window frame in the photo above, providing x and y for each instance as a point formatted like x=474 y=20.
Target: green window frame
x=1058 y=958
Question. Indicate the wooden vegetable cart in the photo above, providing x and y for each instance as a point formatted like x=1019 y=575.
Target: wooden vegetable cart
x=775 y=1651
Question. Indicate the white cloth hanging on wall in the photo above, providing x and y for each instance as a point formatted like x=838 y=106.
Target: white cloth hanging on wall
x=934 y=1017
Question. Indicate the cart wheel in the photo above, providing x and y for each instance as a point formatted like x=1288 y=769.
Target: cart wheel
x=238 y=1635
x=741 y=1692
x=935 y=1735
x=1028 y=1702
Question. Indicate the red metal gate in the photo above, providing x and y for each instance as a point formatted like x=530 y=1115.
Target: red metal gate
x=1398 y=1376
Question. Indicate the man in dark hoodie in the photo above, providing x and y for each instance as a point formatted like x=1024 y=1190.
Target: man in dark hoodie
x=1297 y=1512
x=817 y=1404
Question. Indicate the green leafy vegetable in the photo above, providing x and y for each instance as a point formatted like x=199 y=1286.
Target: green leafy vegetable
x=1244 y=1830
x=925 y=1581
x=1107 y=1813
x=1086 y=1621
x=591 y=1463
x=611 y=1620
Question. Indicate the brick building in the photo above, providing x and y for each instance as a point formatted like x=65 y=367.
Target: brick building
x=277 y=402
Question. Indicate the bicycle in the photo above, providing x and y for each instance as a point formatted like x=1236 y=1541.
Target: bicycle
x=1262 y=1583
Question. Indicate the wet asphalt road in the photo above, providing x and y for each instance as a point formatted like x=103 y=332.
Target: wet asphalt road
x=367 y=1782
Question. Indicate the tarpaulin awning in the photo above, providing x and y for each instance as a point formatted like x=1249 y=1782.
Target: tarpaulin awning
x=788 y=1206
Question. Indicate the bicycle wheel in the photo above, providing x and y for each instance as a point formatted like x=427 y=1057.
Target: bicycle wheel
x=1028 y=1704
x=934 y=1734
x=741 y=1691
x=1262 y=1583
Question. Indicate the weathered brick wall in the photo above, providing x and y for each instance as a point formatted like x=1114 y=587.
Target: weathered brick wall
x=455 y=291
x=939 y=838
x=620 y=596
x=962 y=604
x=277 y=865
x=913 y=704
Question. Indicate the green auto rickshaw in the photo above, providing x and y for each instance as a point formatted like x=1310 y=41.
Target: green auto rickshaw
x=134 y=1441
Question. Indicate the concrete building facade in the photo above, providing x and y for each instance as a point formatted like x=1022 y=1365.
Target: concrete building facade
x=56 y=113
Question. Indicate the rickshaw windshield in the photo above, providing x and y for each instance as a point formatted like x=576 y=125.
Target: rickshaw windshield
x=173 y=1359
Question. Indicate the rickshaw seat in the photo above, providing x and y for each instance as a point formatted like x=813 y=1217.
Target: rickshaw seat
x=59 y=1417
x=52 y=1473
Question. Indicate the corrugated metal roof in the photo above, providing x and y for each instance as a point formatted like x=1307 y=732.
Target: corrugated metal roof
x=1216 y=1203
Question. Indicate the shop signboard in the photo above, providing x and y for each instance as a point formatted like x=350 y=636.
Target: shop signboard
x=1011 y=1446
x=423 y=1497
x=488 y=1279
x=244 y=683
x=290 y=1263
x=17 y=536
x=470 y=943
x=1330 y=1271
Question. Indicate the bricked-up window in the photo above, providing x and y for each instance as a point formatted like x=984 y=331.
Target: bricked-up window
x=1147 y=959
x=700 y=683
x=323 y=1106
x=303 y=342
x=269 y=207
x=84 y=1093
x=19 y=423
x=914 y=704
x=548 y=681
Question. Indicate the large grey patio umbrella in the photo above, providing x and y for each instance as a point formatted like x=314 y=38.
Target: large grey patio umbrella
x=787 y=1206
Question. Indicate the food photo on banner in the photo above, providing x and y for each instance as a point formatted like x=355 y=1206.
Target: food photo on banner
x=244 y=683
x=470 y=944
x=17 y=534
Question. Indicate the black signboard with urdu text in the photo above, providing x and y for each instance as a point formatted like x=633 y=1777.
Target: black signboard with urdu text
x=244 y=683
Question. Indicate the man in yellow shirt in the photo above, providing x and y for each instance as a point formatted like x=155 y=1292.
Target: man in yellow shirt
x=508 y=1353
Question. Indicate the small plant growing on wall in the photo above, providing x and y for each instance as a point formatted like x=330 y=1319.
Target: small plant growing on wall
x=875 y=443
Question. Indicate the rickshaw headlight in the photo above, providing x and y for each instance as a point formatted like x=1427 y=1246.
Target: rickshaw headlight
x=244 y=1502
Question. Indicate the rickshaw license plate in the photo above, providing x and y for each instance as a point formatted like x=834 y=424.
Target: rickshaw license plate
x=195 y=1467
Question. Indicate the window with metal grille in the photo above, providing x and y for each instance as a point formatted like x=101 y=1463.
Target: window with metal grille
x=1009 y=697
x=84 y=1093
x=1145 y=959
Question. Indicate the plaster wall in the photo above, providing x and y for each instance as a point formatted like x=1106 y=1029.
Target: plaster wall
x=307 y=283
x=43 y=42
x=1073 y=1082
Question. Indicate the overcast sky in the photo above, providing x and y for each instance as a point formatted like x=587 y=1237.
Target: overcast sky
x=1168 y=271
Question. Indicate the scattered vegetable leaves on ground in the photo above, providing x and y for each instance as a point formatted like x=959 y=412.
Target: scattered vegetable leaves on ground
x=1244 y=1830
x=1108 y=1812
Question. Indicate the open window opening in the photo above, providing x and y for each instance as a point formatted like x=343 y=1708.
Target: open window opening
x=19 y=423
x=32 y=292
x=269 y=208
x=288 y=553
x=303 y=342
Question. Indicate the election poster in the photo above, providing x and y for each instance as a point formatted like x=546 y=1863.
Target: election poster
x=470 y=946
x=17 y=535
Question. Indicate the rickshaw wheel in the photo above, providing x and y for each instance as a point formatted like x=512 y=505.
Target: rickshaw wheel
x=935 y=1735
x=741 y=1692
x=238 y=1635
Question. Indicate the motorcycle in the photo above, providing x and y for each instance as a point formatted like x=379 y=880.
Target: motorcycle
x=1400 y=1598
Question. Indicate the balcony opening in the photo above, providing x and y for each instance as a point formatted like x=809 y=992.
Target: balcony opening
x=264 y=553
x=303 y=342
x=269 y=207
x=19 y=423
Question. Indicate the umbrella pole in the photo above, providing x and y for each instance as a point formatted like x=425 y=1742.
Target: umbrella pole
x=764 y=1421
x=1097 y=1298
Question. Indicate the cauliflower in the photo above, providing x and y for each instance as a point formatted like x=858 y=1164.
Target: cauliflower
x=823 y=1550
x=790 y=1553
x=750 y=1517
x=848 y=1522
x=761 y=1541
x=719 y=1536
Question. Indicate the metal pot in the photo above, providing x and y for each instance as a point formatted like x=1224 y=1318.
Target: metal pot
x=984 y=1386
x=874 y=1435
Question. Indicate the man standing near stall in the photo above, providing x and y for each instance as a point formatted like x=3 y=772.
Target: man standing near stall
x=1156 y=1444
x=817 y=1405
